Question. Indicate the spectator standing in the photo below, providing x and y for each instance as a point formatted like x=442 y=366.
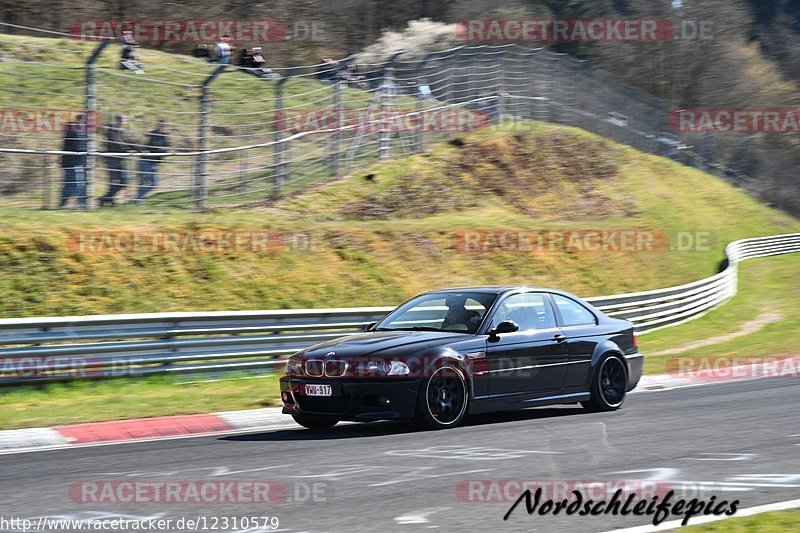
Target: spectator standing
x=116 y=142
x=74 y=165
x=224 y=50
x=157 y=142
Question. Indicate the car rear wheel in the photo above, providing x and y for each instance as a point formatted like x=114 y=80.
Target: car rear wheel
x=443 y=398
x=315 y=422
x=609 y=385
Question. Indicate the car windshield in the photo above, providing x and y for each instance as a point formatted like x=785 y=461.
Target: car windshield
x=453 y=311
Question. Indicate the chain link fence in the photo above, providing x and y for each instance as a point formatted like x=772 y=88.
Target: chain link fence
x=242 y=135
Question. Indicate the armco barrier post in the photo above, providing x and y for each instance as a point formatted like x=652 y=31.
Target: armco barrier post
x=91 y=123
x=201 y=169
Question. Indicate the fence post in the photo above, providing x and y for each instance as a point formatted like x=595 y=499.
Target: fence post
x=337 y=122
x=387 y=90
x=528 y=87
x=630 y=109
x=573 y=97
x=472 y=51
x=279 y=148
x=500 y=89
x=91 y=122
x=450 y=73
x=46 y=185
x=201 y=173
x=550 y=88
x=420 y=104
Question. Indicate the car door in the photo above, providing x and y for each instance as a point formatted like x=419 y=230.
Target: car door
x=579 y=324
x=532 y=359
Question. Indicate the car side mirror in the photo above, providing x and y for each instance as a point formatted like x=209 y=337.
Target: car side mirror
x=506 y=326
x=369 y=326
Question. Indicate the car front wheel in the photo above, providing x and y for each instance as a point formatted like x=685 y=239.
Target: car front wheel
x=609 y=385
x=443 y=398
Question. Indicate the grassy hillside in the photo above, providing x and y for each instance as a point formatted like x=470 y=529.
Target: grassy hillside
x=389 y=231
x=386 y=232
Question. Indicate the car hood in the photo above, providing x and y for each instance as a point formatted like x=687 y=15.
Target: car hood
x=383 y=343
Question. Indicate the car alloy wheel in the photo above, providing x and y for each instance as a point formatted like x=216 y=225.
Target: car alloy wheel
x=445 y=397
x=609 y=385
x=612 y=381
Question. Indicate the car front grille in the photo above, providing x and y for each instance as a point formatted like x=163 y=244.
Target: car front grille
x=316 y=368
x=335 y=369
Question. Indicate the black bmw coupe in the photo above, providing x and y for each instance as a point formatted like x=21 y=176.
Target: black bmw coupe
x=448 y=353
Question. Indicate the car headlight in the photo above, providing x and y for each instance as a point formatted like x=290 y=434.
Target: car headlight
x=294 y=367
x=387 y=368
x=398 y=369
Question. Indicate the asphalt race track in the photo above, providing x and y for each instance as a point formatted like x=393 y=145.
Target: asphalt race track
x=740 y=439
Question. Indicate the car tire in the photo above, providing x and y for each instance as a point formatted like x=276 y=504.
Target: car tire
x=609 y=385
x=315 y=422
x=443 y=398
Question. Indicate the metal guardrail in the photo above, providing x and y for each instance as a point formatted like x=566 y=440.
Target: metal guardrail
x=66 y=348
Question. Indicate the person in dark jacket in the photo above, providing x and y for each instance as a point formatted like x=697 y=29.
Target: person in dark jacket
x=74 y=165
x=157 y=142
x=116 y=142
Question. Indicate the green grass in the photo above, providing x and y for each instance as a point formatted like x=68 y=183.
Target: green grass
x=379 y=241
x=76 y=402
x=387 y=232
x=765 y=284
x=763 y=281
x=774 y=522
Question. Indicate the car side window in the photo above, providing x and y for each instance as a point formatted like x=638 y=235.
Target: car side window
x=573 y=313
x=529 y=310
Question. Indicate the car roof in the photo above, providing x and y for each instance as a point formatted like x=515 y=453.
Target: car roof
x=498 y=289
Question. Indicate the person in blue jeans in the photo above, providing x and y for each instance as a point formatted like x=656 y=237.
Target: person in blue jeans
x=157 y=142
x=74 y=165
x=116 y=142
x=224 y=50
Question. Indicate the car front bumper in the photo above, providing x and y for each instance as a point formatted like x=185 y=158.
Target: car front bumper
x=359 y=400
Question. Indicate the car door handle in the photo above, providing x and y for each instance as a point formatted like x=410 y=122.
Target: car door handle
x=558 y=337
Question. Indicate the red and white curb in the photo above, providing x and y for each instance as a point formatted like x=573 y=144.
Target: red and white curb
x=119 y=431
x=267 y=419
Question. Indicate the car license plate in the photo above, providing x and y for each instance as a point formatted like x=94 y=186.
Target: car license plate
x=318 y=390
